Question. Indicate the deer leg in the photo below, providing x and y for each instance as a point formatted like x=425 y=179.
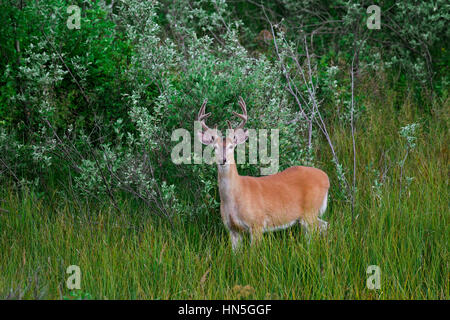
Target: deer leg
x=313 y=226
x=323 y=225
x=236 y=238
x=309 y=226
x=305 y=226
x=255 y=236
x=308 y=232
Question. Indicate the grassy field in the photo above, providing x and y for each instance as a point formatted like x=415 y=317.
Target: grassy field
x=136 y=256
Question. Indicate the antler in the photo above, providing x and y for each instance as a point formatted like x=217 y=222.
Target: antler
x=202 y=116
x=243 y=116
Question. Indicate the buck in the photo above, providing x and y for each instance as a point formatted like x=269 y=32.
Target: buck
x=259 y=204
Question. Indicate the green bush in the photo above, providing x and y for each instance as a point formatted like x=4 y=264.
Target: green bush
x=97 y=105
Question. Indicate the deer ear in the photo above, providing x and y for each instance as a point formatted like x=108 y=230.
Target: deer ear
x=206 y=137
x=240 y=136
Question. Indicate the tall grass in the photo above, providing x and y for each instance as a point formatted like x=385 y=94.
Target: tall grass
x=132 y=255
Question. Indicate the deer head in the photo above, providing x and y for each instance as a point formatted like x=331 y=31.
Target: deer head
x=223 y=146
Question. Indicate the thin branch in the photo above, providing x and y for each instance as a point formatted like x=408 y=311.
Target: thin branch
x=352 y=124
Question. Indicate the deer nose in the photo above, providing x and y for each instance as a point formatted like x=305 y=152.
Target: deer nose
x=224 y=155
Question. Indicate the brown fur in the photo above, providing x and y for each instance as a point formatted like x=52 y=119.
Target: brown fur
x=270 y=201
x=258 y=204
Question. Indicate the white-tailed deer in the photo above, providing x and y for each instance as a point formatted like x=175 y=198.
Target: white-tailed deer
x=268 y=203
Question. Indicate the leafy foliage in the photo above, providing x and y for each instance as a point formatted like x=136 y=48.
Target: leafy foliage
x=97 y=105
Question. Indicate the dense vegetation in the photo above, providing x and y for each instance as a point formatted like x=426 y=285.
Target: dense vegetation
x=87 y=115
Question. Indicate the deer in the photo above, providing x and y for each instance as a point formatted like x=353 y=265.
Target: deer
x=256 y=205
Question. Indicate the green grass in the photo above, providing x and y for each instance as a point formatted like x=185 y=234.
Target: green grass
x=135 y=256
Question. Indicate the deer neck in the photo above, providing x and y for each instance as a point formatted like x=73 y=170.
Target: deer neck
x=228 y=177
